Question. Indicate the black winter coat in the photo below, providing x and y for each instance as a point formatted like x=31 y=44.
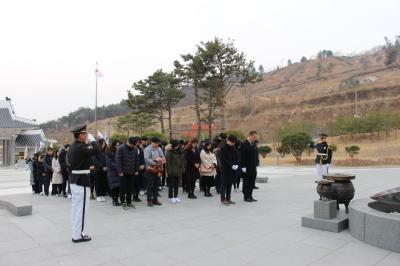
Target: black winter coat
x=228 y=157
x=191 y=158
x=127 y=159
x=112 y=175
x=248 y=155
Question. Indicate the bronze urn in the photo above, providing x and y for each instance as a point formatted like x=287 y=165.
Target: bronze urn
x=337 y=187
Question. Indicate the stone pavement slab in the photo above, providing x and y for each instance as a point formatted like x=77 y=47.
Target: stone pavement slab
x=195 y=232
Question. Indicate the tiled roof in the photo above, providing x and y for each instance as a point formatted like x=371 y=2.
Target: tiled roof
x=9 y=120
x=30 y=138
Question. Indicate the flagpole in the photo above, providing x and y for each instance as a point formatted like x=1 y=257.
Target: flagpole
x=95 y=108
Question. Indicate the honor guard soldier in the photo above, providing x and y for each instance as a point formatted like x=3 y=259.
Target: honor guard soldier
x=79 y=159
x=324 y=156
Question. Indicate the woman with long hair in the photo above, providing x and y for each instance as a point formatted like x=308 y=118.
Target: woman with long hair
x=100 y=172
x=112 y=175
x=192 y=173
x=208 y=168
x=57 y=179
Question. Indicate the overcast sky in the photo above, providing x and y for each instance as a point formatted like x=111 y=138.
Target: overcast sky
x=48 y=49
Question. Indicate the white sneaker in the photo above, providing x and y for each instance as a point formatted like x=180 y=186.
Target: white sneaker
x=141 y=193
x=69 y=196
x=173 y=200
x=177 y=200
x=103 y=199
x=98 y=199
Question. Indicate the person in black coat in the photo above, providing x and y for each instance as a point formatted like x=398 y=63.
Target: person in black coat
x=62 y=159
x=139 y=179
x=40 y=174
x=248 y=164
x=127 y=167
x=192 y=173
x=38 y=187
x=229 y=169
x=112 y=175
x=100 y=172
x=48 y=170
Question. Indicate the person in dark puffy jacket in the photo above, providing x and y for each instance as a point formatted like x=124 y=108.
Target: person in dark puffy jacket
x=127 y=166
x=112 y=175
x=175 y=167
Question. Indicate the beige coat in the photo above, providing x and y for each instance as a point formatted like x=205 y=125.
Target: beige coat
x=207 y=164
x=57 y=177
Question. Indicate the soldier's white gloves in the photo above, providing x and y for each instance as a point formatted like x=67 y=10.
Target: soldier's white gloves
x=91 y=138
x=235 y=167
x=244 y=170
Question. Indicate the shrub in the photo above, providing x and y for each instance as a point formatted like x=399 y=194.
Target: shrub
x=296 y=143
x=264 y=150
x=352 y=151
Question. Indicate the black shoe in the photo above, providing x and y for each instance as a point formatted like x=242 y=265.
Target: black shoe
x=255 y=187
x=130 y=205
x=191 y=196
x=252 y=199
x=136 y=199
x=84 y=238
x=248 y=200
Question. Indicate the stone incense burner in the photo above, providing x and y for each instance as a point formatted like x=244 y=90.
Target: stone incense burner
x=336 y=187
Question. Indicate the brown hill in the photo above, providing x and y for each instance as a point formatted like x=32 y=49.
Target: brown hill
x=316 y=90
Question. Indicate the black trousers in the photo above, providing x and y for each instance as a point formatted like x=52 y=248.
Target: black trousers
x=115 y=194
x=208 y=182
x=226 y=189
x=236 y=184
x=202 y=184
x=101 y=183
x=46 y=184
x=218 y=182
x=190 y=185
x=64 y=174
x=143 y=180
x=56 y=189
x=173 y=184
x=153 y=183
x=126 y=188
x=92 y=181
x=248 y=185
x=137 y=183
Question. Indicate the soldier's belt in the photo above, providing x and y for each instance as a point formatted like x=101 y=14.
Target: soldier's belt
x=80 y=172
x=322 y=154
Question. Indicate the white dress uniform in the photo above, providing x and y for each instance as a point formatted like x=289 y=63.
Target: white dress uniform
x=79 y=159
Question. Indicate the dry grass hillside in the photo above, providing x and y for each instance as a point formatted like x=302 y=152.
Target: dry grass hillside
x=303 y=92
x=309 y=91
x=376 y=150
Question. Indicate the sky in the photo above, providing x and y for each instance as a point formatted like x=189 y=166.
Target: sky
x=49 y=49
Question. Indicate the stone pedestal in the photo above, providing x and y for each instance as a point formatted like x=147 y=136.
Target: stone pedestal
x=325 y=209
x=326 y=217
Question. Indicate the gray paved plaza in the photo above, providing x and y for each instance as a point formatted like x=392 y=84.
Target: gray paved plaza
x=195 y=232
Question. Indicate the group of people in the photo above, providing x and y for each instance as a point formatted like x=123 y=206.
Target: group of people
x=49 y=168
x=125 y=171
x=90 y=168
